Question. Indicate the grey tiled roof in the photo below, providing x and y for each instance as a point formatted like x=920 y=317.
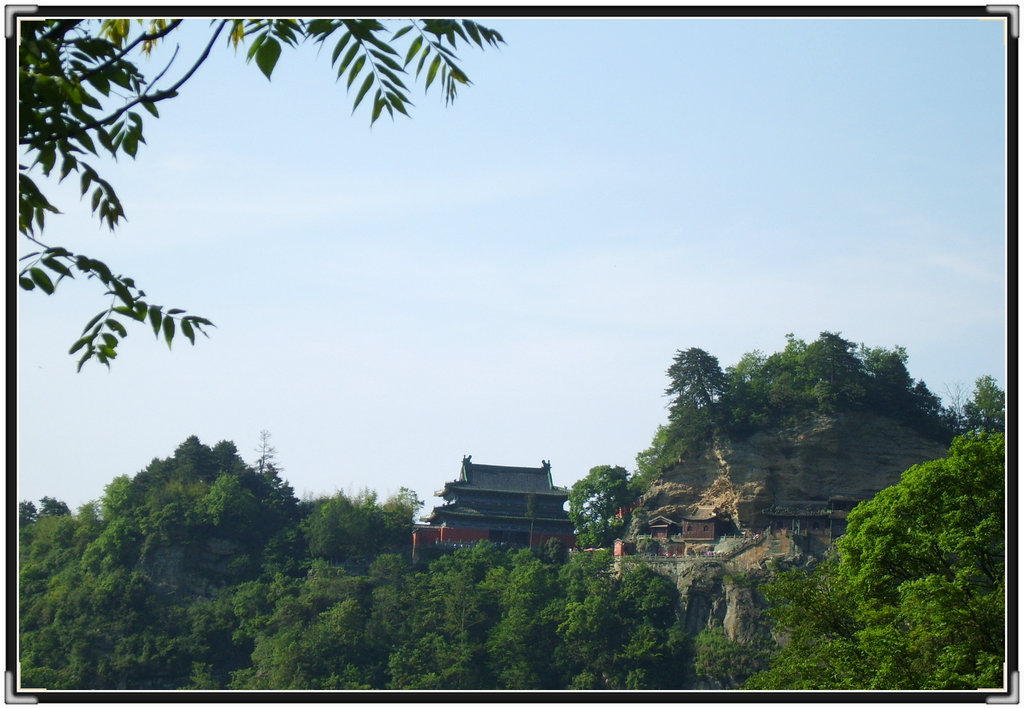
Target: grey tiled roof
x=463 y=511
x=506 y=477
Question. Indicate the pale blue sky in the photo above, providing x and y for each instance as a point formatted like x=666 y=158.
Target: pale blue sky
x=510 y=277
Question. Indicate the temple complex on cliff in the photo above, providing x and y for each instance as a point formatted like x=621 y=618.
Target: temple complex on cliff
x=503 y=504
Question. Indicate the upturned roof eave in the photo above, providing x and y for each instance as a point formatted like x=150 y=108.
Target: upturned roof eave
x=462 y=485
x=477 y=515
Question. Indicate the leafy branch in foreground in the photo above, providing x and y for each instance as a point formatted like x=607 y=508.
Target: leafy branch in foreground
x=78 y=86
x=103 y=332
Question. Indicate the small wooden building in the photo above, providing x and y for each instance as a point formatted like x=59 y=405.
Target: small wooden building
x=620 y=547
x=702 y=525
x=841 y=506
x=800 y=516
x=662 y=527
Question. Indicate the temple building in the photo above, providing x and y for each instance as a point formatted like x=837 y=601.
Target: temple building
x=503 y=504
x=702 y=525
x=818 y=522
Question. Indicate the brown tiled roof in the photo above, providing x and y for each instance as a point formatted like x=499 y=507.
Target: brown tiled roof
x=701 y=515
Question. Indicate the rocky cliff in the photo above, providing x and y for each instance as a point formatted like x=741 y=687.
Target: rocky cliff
x=854 y=454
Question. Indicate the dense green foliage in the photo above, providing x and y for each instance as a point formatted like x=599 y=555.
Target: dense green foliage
x=986 y=411
x=594 y=502
x=916 y=597
x=203 y=572
x=828 y=376
x=726 y=663
x=81 y=93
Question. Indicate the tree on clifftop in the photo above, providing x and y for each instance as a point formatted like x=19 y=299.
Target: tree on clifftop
x=696 y=383
x=696 y=379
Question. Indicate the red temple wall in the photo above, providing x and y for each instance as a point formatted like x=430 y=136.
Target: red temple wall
x=453 y=534
x=433 y=535
x=426 y=535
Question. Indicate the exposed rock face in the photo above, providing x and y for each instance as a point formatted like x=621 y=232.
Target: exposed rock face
x=194 y=572
x=854 y=453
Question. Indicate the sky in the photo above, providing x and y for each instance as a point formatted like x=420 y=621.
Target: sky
x=510 y=276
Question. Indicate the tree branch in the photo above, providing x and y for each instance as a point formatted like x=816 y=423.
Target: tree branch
x=60 y=29
x=139 y=40
x=166 y=93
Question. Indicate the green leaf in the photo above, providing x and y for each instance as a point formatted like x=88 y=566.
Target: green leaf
x=267 y=56
x=340 y=46
x=69 y=164
x=95 y=319
x=168 y=330
x=255 y=47
x=380 y=44
x=321 y=28
x=47 y=156
x=26 y=283
x=83 y=138
x=186 y=328
x=378 y=104
x=391 y=75
x=432 y=71
x=117 y=327
x=100 y=82
x=396 y=101
x=356 y=68
x=348 y=58
x=129 y=312
x=81 y=343
x=151 y=107
x=122 y=292
x=106 y=141
x=155 y=316
x=413 y=48
x=40 y=278
x=388 y=61
x=101 y=270
x=362 y=91
x=473 y=32
x=55 y=265
x=400 y=32
x=423 y=60
x=130 y=144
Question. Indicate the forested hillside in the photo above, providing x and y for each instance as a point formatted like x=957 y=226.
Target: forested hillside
x=201 y=572
x=205 y=572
